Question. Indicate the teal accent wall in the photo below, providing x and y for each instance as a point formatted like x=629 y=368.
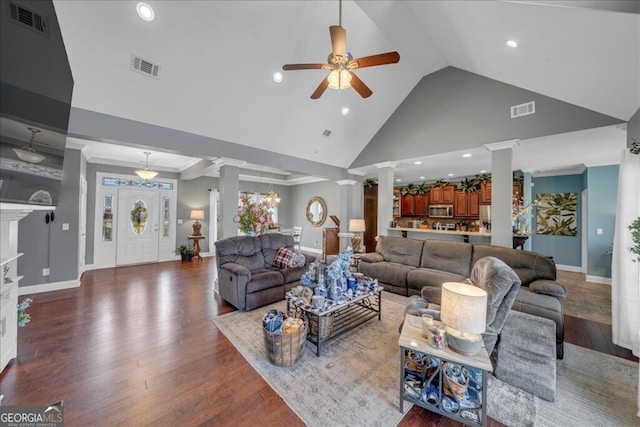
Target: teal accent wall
x=602 y=184
x=565 y=250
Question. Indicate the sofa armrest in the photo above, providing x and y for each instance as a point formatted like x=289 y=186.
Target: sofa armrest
x=548 y=287
x=308 y=258
x=371 y=257
x=237 y=269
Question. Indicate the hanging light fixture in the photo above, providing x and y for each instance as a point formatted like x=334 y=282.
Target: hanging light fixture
x=273 y=199
x=146 y=174
x=28 y=154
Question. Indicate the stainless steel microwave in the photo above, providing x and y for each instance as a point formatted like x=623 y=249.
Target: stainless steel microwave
x=441 y=211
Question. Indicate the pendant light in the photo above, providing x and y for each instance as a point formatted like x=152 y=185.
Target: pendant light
x=146 y=174
x=28 y=154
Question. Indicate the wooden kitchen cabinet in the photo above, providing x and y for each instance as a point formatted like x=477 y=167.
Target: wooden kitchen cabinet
x=485 y=192
x=397 y=209
x=467 y=205
x=371 y=217
x=408 y=205
x=330 y=239
x=442 y=195
x=422 y=204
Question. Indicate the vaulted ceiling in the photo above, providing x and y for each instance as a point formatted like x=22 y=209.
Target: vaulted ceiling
x=217 y=59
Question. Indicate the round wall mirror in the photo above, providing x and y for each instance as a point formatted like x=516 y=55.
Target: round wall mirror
x=316 y=211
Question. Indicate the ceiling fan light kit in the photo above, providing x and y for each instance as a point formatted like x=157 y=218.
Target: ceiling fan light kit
x=341 y=64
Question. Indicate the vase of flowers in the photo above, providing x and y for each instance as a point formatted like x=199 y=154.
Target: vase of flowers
x=254 y=218
x=24 y=318
x=519 y=214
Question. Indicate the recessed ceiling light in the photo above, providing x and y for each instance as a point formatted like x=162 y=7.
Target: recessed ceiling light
x=512 y=43
x=417 y=162
x=145 y=12
x=450 y=174
x=345 y=111
x=483 y=171
x=277 y=77
x=422 y=177
x=465 y=155
x=398 y=180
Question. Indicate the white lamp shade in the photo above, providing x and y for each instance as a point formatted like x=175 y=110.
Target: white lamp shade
x=464 y=307
x=197 y=214
x=356 y=225
x=146 y=174
x=28 y=154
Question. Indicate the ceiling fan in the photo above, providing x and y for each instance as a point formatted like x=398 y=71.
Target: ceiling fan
x=341 y=64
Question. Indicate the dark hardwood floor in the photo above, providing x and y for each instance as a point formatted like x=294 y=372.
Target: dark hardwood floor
x=136 y=346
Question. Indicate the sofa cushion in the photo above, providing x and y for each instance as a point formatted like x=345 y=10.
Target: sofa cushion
x=431 y=280
x=400 y=250
x=387 y=272
x=242 y=250
x=529 y=266
x=271 y=243
x=293 y=274
x=264 y=279
x=453 y=257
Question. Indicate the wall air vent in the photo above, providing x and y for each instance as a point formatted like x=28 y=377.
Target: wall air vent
x=145 y=67
x=29 y=19
x=326 y=133
x=523 y=109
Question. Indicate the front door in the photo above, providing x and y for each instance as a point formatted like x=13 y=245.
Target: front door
x=138 y=218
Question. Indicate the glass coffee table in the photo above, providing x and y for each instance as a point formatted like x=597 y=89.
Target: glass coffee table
x=335 y=319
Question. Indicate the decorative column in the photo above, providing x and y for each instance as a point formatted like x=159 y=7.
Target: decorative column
x=385 y=195
x=501 y=192
x=347 y=210
x=229 y=193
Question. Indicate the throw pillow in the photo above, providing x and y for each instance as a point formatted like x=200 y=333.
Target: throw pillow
x=283 y=258
x=298 y=260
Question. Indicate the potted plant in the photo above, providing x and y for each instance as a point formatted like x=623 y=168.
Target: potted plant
x=186 y=252
x=469 y=186
x=635 y=236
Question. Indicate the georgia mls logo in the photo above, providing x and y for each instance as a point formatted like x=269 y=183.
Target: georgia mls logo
x=32 y=416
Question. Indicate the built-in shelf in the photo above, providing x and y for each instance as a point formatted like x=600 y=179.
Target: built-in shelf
x=7 y=260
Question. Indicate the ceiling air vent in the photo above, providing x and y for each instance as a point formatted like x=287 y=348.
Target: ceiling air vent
x=29 y=18
x=326 y=133
x=523 y=109
x=144 y=67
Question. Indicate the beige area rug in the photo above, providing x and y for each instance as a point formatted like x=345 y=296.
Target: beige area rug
x=356 y=380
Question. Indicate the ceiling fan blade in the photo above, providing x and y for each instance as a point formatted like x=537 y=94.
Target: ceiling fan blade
x=289 y=67
x=373 y=60
x=338 y=40
x=320 y=89
x=359 y=86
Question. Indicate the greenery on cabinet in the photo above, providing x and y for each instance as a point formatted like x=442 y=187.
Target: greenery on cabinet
x=441 y=183
x=483 y=178
x=469 y=186
x=370 y=182
x=409 y=189
x=423 y=188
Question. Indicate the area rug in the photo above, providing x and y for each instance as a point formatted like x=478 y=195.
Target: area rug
x=356 y=380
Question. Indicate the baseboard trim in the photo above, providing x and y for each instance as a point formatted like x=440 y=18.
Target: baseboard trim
x=312 y=250
x=573 y=268
x=48 y=287
x=598 y=279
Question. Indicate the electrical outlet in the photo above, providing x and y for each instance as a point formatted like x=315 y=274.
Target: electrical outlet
x=45 y=271
x=599 y=231
x=65 y=227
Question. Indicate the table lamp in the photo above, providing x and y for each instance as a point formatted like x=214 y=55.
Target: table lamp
x=356 y=226
x=197 y=214
x=464 y=312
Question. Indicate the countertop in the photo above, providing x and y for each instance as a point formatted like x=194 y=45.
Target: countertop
x=428 y=230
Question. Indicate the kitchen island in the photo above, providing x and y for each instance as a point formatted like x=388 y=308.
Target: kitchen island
x=454 y=235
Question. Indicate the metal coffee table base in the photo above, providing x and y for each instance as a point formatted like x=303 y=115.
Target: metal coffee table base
x=345 y=317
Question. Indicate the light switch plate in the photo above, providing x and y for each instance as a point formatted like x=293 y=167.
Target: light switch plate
x=65 y=226
x=599 y=231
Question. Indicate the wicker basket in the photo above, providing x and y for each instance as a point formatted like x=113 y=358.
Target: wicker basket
x=454 y=389
x=286 y=348
x=326 y=325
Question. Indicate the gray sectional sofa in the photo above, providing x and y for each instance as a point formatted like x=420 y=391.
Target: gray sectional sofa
x=247 y=277
x=405 y=266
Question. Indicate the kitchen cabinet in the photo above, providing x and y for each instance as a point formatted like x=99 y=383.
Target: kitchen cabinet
x=485 y=192
x=408 y=205
x=467 y=205
x=442 y=195
x=330 y=239
x=370 y=206
x=422 y=204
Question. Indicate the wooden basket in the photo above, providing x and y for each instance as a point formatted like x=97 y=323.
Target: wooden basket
x=326 y=323
x=287 y=347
